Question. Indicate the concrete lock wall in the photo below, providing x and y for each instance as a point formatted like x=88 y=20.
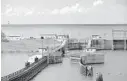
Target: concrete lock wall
x=126 y=44
x=27 y=73
x=118 y=44
x=119 y=39
x=103 y=44
x=108 y=44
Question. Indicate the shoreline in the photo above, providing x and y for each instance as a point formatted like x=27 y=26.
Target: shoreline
x=18 y=51
x=36 y=51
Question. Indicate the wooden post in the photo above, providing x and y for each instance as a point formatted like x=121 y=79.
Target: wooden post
x=124 y=44
x=112 y=40
x=125 y=40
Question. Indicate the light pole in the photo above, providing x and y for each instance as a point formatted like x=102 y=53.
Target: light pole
x=42 y=44
x=48 y=51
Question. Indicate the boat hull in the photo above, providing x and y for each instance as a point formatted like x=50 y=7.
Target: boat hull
x=74 y=59
x=92 y=59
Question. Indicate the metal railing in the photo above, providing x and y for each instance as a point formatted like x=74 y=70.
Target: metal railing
x=22 y=71
x=25 y=70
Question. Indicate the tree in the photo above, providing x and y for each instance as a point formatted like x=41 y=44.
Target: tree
x=42 y=37
x=3 y=37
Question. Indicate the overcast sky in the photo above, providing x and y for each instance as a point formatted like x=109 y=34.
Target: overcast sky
x=64 y=11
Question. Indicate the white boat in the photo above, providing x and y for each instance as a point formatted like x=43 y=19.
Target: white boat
x=75 y=58
x=90 y=56
x=44 y=50
x=90 y=50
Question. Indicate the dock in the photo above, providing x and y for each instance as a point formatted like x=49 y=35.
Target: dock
x=27 y=73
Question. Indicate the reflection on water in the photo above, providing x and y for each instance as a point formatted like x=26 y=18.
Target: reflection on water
x=65 y=71
x=114 y=68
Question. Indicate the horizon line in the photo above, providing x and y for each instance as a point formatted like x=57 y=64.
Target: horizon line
x=65 y=24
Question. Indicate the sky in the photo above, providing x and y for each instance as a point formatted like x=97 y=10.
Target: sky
x=64 y=11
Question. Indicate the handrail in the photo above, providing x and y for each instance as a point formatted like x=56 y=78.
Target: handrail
x=25 y=69
x=20 y=72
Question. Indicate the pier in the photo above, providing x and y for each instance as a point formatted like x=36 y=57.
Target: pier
x=27 y=73
x=30 y=71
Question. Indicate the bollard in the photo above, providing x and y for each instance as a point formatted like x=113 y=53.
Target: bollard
x=86 y=70
x=90 y=71
x=99 y=77
x=27 y=64
x=36 y=59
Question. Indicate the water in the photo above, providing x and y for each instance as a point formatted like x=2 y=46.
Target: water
x=12 y=62
x=114 y=68
x=74 y=31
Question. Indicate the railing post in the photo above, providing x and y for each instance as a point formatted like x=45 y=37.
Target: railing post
x=48 y=56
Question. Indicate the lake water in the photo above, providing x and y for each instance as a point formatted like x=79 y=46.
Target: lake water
x=74 y=31
x=114 y=68
x=12 y=62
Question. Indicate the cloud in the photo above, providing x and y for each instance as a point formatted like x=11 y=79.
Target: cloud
x=67 y=9
x=71 y=9
x=40 y=13
x=97 y=2
x=55 y=11
x=11 y=11
x=29 y=12
x=76 y=8
x=8 y=9
x=18 y=11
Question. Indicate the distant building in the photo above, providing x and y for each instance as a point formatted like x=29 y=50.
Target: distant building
x=74 y=44
x=62 y=36
x=14 y=37
x=96 y=37
x=49 y=36
x=95 y=41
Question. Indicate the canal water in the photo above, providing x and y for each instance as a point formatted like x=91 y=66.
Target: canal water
x=114 y=68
